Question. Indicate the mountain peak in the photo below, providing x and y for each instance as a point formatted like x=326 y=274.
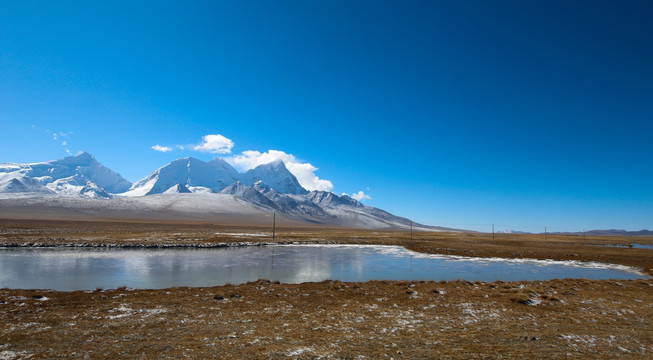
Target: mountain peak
x=82 y=158
x=277 y=176
x=277 y=163
x=78 y=174
x=84 y=154
x=187 y=159
x=188 y=171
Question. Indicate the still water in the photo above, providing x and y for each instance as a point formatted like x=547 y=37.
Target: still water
x=87 y=269
x=627 y=246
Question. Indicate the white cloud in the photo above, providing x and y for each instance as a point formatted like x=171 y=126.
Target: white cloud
x=304 y=172
x=361 y=196
x=216 y=144
x=160 y=148
x=62 y=134
x=57 y=136
x=180 y=147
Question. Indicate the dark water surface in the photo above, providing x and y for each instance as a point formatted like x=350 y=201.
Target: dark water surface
x=633 y=246
x=89 y=268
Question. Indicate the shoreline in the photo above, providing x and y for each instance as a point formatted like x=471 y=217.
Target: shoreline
x=598 y=319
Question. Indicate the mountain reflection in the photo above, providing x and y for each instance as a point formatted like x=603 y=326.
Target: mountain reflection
x=73 y=269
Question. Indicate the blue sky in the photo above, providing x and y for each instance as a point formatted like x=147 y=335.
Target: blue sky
x=523 y=114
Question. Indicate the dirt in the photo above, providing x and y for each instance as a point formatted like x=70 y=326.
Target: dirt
x=331 y=319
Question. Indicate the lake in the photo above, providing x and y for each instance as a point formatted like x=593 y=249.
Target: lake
x=89 y=268
x=626 y=246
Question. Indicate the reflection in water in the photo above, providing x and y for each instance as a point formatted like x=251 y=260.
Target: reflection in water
x=71 y=269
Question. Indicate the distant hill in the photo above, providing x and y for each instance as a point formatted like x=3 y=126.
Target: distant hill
x=620 y=232
x=613 y=232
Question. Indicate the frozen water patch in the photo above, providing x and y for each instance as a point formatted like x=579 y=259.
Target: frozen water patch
x=399 y=251
x=90 y=268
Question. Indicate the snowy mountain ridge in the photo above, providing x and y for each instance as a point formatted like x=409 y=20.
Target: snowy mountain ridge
x=81 y=174
x=213 y=176
x=268 y=188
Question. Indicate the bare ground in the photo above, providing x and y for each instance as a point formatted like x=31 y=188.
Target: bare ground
x=459 y=319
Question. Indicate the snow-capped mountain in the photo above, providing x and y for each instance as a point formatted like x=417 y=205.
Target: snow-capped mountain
x=326 y=198
x=276 y=176
x=216 y=175
x=81 y=175
x=248 y=193
x=186 y=175
x=186 y=188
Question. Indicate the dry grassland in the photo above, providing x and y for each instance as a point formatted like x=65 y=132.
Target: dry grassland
x=572 y=318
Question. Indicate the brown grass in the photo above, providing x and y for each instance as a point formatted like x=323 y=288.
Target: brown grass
x=331 y=319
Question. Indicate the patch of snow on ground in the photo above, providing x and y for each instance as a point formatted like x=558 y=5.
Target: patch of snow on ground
x=575 y=340
x=242 y=234
x=10 y=355
x=474 y=314
x=125 y=312
x=299 y=351
x=534 y=302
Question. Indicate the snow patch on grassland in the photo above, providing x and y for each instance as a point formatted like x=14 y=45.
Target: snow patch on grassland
x=243 y=234
x=299 y=351
x=124 y=311
x=10 y=355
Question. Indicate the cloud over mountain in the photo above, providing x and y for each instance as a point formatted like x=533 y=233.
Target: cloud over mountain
x=361 y=196
x=303 y=171
x=250 y=159
x=216 y=144
x=160 y=148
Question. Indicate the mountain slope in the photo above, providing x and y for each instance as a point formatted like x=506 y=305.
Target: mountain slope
x=81 y=174
x=248 y=193
x=189 y=173
x=276 y=176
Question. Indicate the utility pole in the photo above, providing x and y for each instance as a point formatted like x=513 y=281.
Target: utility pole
x=274 y=224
